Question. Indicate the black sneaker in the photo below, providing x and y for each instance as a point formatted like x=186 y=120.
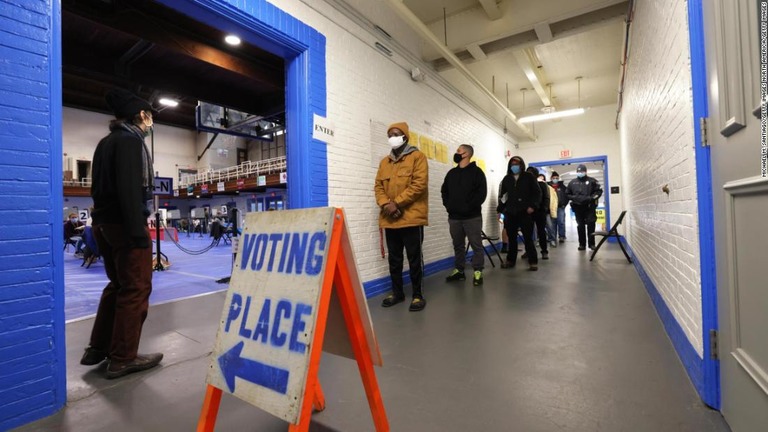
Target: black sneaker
x=392 y=300
x=562 y=240
x=533 y=267
x=92 y=357
x=507 y=265
x=477 y=278
x=417 y=304
x=592 y=247
x=545 y=255
x=581 y=248
x=456 y=275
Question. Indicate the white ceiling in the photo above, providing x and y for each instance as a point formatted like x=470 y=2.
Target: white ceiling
x=587 y=37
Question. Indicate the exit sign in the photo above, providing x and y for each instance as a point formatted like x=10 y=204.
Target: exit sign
x=564 y=154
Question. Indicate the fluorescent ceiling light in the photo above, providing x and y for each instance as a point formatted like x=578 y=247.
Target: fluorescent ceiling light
x=169 y=102
x=232 y=40
x=553 y=115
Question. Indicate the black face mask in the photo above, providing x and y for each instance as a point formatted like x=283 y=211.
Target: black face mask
x=457 y=158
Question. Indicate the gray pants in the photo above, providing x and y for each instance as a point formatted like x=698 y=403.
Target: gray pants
x=471 y=229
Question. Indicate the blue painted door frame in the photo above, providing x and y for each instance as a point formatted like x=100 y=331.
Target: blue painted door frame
x=606 y=187
x=710 y=393
x=261 y=24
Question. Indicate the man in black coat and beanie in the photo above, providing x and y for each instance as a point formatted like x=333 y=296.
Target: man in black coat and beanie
x=523 y=197
x=464 y=191
x=123 y=182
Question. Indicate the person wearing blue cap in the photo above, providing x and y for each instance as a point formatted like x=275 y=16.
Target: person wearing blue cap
x=583 y=193
x=123 y=181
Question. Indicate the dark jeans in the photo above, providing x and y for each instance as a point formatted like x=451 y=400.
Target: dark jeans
x=540 y=219
x=524 y=222
x=473 y=230
x=585 y=218
x=411 y=239
x=125 y=300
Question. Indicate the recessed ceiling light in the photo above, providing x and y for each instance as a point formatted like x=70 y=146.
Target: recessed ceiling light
x=232 y=40
x=169 y=102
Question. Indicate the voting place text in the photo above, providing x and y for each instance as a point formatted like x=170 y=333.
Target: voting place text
x=270 y=312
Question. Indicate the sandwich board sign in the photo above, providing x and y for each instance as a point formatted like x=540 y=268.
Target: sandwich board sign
x=294 y=292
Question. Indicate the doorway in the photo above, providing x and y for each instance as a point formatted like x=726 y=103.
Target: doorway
x=302 y=52
x=597 y=167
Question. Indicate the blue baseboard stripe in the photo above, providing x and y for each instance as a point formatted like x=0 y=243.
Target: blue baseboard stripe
x=688 y=356
x=382 y=285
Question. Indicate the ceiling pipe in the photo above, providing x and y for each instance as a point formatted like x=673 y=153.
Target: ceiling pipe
x=422 y=30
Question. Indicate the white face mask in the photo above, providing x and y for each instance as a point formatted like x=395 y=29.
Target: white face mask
x=396 y=141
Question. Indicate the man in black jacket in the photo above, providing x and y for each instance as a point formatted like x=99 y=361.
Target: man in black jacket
x=123 y=181
x=523 y=197
x=464 y=191
x=540 y=215
x=583 y=192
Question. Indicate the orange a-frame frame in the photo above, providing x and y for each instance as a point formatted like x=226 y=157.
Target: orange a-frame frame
x=336 y=274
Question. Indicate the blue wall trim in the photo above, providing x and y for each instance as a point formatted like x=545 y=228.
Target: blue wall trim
x=382 y=285
x=606 y=185
x=685 y=351
x=710 y=393
x=303 y=49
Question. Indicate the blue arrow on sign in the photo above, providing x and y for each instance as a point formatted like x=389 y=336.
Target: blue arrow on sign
x=234 y=366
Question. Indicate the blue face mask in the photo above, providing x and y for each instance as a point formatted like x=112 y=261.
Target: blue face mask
x=515 y=169
x=581 y=175
x=555 y=180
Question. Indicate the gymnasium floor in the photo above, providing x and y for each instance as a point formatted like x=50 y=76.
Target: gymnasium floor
x=188 y=276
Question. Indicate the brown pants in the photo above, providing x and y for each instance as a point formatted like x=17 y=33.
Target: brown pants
x=125 y=300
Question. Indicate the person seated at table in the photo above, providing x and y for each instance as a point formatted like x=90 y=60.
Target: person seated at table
x=73 y=233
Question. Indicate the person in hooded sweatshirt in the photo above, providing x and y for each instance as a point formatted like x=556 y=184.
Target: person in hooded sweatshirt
x=123 y=181
x=464 y=190
x=583 y=192
x=401 y=190
x=523 y=197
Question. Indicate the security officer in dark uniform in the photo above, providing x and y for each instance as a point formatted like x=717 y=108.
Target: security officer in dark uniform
x=583 y=193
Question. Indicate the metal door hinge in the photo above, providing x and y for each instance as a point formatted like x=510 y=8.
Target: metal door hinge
x=704 y=132
x=713 y=345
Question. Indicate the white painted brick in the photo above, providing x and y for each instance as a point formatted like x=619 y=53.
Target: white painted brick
x=657 y=139
x=363 y=87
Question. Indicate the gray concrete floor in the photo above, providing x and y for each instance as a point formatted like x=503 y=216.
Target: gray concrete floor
x=576 y=346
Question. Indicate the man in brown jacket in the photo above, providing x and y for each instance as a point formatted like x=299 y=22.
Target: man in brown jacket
x=401 y=194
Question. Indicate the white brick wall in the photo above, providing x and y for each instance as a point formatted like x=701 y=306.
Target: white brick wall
x=591 y=134
x=364 y=86
x=657 y=147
